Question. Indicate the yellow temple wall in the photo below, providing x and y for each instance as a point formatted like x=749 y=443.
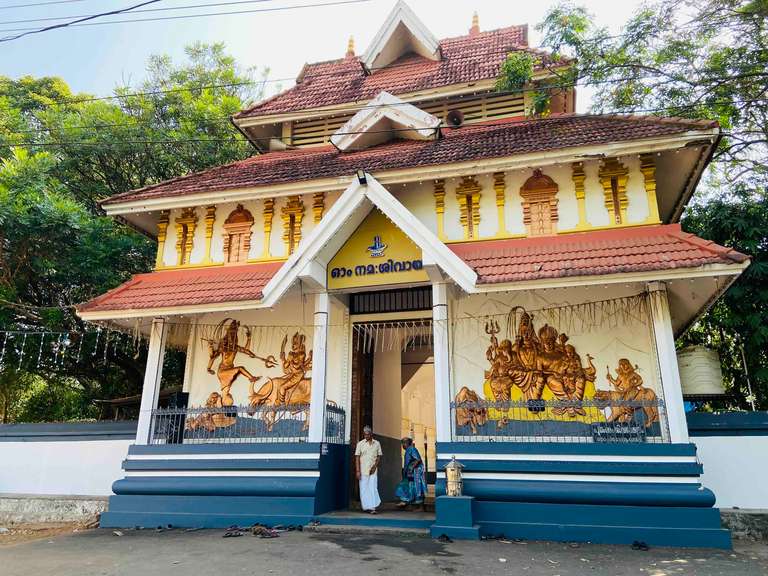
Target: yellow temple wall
x=609 y=330
x=293 y=314
x=441 y=206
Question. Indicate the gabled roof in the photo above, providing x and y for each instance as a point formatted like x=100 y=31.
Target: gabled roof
x=346 y=214
x=497 y=139
x=635 y=249
x=465 y=59
x=387 y=118
x=401 y=33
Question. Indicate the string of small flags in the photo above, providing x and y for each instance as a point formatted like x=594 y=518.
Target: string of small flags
x=46 y=350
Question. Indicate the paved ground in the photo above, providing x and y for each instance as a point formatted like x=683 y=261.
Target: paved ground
x=149 y=553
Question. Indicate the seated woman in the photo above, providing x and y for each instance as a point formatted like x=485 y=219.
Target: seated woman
x=413 y=488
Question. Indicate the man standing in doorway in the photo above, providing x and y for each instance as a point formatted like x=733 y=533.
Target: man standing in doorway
x=367 y=456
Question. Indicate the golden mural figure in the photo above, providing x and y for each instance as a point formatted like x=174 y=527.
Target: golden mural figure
x=226 y=345
x=628 y=387
x=469 y=411
x=534 y=363
x=209 y=421
x=293 y=388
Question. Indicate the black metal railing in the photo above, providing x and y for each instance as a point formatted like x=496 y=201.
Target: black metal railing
x=335 y=424
x=241 y=424
x=561 y=421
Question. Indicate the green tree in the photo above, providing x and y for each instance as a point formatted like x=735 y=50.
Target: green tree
x=64 y=153
x=695 y=60
x=736 y=325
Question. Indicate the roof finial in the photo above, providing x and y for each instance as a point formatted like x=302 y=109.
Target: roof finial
x=475 y=30
x=351 y=47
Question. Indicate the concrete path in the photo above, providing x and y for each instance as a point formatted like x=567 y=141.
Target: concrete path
x=149 y=553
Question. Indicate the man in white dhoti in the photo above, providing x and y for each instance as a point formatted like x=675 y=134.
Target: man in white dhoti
x=367 y=457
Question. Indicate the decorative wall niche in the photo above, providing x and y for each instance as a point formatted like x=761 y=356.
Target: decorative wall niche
x=293 y=214
x=185 y=234
x=613 y=177
x=468 y=196
x=539 y=194
x=237 y=235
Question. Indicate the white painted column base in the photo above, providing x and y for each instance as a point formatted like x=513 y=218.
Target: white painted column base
x=667 y=355
x=319 y=367
x=152 y=377
x=442 y=362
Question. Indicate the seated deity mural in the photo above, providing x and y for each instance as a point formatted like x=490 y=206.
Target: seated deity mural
x=538 y=375
x=534 y=367
x=629 y=395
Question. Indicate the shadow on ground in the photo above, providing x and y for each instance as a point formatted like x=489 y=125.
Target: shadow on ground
x=170 y=552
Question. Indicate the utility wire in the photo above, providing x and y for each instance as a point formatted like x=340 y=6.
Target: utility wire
x=36 y=4
x=75 y=22
x=236 y=139
x=188 y=7
x=80 y=23
x=345 y=73
x=351 y=110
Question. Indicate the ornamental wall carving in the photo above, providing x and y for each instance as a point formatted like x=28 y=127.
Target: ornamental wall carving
x=237 y=235
x=539 y=194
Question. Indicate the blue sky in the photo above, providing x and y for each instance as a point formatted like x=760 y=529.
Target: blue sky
x=96 y=59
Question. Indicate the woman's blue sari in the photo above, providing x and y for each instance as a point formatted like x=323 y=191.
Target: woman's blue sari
x=413 y=488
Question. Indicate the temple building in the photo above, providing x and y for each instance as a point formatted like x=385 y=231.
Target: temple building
x=412 y=249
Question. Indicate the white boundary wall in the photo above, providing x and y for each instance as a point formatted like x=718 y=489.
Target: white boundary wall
x=735 y=469
x=77 y=467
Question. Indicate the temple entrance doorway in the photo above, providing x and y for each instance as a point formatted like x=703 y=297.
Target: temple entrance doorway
x=393 y=390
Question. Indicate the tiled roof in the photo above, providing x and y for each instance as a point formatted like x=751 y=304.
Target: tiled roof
x=170 y=288
x=638 y=249
x=464 y=59
x=495 y=139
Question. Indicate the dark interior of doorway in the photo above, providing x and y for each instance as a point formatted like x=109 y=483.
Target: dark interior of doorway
x=362 y=409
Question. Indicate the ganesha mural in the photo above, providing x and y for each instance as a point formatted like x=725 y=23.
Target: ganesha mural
x=538 y=375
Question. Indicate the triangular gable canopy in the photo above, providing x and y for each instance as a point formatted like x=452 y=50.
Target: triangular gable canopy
x=384 y=118
x=402 y=33
x=340 y=222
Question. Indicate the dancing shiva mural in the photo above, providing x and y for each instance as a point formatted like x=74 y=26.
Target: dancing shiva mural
x=538 y=378
x=277 y=397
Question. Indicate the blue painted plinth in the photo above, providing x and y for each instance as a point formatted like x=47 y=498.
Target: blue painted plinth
x=454 y=518
x=192 y=486
x=607 y=524
x=206 y=511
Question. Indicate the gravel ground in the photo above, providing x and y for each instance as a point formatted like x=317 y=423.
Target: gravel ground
x=148 y=553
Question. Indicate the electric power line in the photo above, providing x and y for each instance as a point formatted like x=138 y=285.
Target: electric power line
x=188 y=7
x=80 y=20
x=236 y=139
x=350 y=110
x=36 y=4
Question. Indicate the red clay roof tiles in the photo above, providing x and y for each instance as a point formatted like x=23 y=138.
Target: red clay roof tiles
x=464 y=59
x=639 y=249
x=172 y=288
x=495 y=139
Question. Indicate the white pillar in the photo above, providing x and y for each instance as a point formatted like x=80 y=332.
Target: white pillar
x=152 y=377
x=319 y=367
x=442 y=362
x=667 y=355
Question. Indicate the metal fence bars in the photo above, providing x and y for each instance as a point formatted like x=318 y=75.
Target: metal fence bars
x=242 y=424
x=561 y=421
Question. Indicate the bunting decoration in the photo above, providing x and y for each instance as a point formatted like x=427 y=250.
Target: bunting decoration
x=49 y=351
